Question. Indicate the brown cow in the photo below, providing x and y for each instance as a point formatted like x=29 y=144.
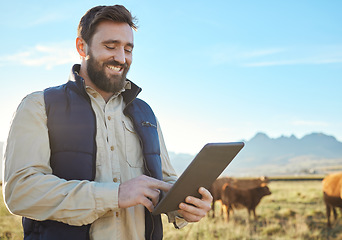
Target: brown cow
x=248 y=198
x=216 y=187
x=332 y=194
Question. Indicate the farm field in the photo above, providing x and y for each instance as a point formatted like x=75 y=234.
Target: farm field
x=294 y=210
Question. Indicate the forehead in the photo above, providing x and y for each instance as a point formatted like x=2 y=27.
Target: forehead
x=108 y=30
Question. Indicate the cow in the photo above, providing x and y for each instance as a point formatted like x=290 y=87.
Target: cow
x=248 y=198
x=332 y=194
x=216 y=187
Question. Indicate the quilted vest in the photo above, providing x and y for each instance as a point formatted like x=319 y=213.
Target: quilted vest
x=71 y=123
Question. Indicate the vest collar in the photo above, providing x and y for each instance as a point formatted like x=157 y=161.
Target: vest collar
x=128 y=95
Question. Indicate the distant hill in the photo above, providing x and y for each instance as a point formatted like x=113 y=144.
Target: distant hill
x=315 y=153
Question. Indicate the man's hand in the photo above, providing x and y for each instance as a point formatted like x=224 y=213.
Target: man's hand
x=141 y=190
x=199 y=207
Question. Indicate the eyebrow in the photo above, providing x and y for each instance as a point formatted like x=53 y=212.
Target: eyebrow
x=129 y=44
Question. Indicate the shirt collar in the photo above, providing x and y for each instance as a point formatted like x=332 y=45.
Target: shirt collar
x=93 y=92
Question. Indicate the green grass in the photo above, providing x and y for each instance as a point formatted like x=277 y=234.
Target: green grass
x=295 y=210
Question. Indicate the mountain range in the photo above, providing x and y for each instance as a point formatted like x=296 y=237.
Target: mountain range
x=315 y=153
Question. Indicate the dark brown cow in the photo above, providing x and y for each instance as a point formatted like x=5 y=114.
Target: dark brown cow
x=216 y=187
x=332 y=194
x=248 y=198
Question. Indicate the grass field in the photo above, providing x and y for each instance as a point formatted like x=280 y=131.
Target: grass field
x=295 y=210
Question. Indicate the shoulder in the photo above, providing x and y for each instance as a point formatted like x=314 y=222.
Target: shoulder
x=35 y=98
x=140 y=101
x=141 y=104
x=31 y=106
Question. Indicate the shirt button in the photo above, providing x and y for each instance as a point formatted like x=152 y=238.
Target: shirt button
x=115 y=180
x=109 y=118
x=117 y=214
x=112 y=148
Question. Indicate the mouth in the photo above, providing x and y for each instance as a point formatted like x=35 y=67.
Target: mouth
x=116 y=69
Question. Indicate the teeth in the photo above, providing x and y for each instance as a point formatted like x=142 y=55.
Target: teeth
x=117 y=69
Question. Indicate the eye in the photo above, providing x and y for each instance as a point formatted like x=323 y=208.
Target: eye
x=108 y=47
x=128 y=50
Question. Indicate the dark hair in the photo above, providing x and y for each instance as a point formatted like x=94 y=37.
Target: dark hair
x=95 y=15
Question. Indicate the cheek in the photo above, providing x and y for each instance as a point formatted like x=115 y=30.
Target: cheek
x=129 y=60
x=100 y=54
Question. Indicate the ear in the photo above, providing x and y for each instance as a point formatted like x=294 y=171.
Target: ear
x=81 y=46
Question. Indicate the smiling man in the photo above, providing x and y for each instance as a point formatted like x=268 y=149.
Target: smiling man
x=87 y=159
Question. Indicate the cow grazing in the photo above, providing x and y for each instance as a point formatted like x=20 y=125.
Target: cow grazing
x=248 y=198
x=332 y=194
x=216 y=187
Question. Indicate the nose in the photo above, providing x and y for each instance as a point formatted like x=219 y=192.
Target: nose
x=120 y=56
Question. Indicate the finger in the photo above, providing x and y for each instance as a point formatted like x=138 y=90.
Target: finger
x=206 y=195
x=194 y=206
x=203 y=204
x=164 y=186
x=146 y=202
x=189 y=217
x=153 y=195
x=155 y=183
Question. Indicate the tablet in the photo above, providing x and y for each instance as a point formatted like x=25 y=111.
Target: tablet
x=208 y=164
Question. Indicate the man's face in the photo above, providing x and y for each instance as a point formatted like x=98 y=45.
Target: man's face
x=109 y=56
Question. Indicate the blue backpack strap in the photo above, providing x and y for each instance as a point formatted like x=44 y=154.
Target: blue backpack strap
x=145 y=123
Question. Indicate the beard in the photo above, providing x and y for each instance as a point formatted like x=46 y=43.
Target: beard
x=97 y=74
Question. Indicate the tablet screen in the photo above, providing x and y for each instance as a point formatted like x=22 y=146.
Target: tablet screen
x=208 y=164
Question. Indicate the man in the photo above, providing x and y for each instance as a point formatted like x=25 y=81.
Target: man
x=87 y=160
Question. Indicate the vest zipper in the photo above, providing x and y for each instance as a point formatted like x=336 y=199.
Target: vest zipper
x=151 y=235
x=149 y=173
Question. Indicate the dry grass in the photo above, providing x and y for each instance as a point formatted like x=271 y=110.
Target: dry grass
x=10 y=225
x=295 y=210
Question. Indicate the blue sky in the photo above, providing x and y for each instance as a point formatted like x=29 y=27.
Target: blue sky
x=213 y=71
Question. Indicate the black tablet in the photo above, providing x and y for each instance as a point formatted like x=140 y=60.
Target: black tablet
x=208 y=164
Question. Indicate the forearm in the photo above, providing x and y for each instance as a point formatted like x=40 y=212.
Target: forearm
x=41 y=196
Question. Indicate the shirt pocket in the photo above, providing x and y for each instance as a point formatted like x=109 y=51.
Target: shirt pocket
x=134 y=156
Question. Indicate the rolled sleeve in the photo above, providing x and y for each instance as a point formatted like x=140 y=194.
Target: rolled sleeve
x=106 y=196
x=177 y=220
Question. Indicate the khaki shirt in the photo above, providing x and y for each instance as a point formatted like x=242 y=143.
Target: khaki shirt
x=32 y=191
